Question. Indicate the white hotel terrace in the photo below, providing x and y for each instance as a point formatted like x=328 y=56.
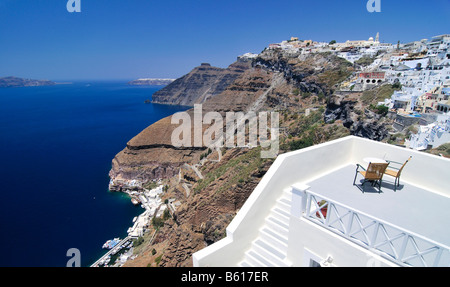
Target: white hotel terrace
x=281 y=223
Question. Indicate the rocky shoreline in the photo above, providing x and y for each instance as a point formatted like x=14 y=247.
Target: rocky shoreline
x=154 y=207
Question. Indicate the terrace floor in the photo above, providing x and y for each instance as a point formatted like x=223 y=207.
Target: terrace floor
x=410 y=207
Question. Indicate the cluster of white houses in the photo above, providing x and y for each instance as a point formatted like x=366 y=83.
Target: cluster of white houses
x=349 y=50
x=421 y=68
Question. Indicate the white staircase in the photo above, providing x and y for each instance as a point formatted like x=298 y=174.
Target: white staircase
x=269 y=249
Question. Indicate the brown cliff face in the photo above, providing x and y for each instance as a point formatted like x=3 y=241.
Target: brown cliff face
x=312 y=73
x=150 y=156
x=272 y=82
x=202 y=83
x=204 y=215
x=251 y=87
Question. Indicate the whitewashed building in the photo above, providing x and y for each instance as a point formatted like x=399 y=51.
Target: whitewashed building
x=283 y=222
x=405 y=99
x=432 y=135
x=439 y=46
x=350 y=56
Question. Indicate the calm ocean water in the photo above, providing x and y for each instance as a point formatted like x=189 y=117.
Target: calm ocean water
x=56 y=148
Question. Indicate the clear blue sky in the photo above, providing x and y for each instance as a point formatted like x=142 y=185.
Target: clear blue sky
x=128 y=39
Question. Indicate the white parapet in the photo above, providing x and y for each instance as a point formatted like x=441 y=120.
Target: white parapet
x=296 y=168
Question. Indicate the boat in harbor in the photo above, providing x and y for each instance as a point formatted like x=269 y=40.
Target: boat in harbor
x=135 y=201
x=111 y=243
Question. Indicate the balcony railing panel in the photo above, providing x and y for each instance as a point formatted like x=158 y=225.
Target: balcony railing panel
x=392 y=242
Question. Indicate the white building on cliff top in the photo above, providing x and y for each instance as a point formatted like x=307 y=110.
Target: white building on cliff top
x=282 y=222
x=432 y=135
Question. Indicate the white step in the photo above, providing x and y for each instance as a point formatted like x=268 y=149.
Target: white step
x=270 y=247
x=282 y=211
x=257 y=260
x=280 y=223
x=283 y=204
x=277 y=228
x=245 y=264
x=286 y=200
x=281 y=215
x=272 y=250
x=283 y=220
x=270 y=253
x=272 y=260
x=273 y=238
x=252 y=261
x=287 y=193
x=280 y=237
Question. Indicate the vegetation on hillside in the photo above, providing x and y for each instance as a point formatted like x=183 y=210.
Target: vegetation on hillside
x=379 y=94
x=443 y=150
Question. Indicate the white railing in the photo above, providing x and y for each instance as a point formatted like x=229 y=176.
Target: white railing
x=387 y=240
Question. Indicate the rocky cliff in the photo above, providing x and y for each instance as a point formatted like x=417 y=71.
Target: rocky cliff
x=357 y=112
x=202 y=83
x=212 y=185
x=151 y=82
x=148 y=157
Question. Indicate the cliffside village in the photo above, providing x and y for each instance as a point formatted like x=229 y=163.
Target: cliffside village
x=420 y=68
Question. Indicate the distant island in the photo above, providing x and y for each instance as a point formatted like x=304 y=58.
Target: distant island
x=151 y=82
x=8 y=82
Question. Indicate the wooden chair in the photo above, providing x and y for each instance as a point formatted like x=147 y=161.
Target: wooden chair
x=396 y=172
x=373 y=174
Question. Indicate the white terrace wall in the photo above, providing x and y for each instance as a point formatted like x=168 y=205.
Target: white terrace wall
x=307 y=237
x=287 y=169
x=425 y=171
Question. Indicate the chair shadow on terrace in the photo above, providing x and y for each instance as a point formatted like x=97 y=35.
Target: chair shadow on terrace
x=385 y=185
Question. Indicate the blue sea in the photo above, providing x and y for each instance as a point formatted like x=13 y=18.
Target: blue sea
x=56 y=148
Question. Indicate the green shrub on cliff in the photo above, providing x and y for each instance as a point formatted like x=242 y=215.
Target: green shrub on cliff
x=138 y=241
x=157 y=222
x=378 y=94
x=237 y=170
x=337 y=75
x=379 y=109
x=365 y=61
x=158 y=259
